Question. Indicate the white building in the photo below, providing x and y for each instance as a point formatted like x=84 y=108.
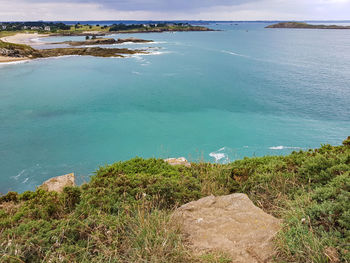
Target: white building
x=47 y=28
x=3 y=27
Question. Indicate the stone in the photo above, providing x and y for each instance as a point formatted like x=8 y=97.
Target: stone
x=57 y=184
x=231 y=224
x=178 y=161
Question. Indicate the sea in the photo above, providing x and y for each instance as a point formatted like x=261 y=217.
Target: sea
x=240 y=91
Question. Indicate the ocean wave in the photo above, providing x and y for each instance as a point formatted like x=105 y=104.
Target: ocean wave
x=281 y=147
x=136 y=73
x=13 y=62
x=140 y=43
x=217 y=156
x=25 y=180
x=220 y=155
x=233 y=53
x=18 y=175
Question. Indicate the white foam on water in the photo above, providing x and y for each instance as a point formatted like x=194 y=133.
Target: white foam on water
x=136 y=73
x=18 y=175
x=217 y=156
x=140 y=43
x=13 y=62
x=25 y=180
x=220 y=155
x=281 y=147
x=146 y=63
x=233 y=53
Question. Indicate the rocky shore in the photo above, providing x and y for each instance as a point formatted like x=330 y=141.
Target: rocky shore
x=105 y=41
x=13 y=52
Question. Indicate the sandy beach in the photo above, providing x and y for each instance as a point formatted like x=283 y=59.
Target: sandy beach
x=24 y=38
x=11 y=59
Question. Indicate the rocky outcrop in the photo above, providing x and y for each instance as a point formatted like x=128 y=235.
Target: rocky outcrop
x=16 y=50
x=105 y=41
x=96 y=41
x=21 y=51
x=57 y=184
x=10 y=53
x=133 y=40
x=87 y=51
x=232 y=224
x=178 y=161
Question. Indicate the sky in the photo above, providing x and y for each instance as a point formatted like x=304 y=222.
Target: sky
x=25 y=10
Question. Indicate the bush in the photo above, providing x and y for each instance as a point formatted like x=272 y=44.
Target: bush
x=123 y=213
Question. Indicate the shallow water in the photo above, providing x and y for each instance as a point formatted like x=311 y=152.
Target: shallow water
x=214 y=96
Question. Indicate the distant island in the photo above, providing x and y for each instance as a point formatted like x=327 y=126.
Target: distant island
x=305 y=26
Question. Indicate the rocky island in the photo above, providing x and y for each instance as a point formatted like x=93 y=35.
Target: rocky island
x=305 y=26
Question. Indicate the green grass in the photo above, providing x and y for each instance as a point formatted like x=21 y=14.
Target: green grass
x=123 y=213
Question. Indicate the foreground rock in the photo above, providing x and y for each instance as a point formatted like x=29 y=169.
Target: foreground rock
x=178 y=161
x=57 y=184
x=232 y=224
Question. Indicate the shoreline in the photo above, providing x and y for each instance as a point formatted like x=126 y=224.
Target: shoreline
x=9 y=60
x=24 y=39
x=22 y=47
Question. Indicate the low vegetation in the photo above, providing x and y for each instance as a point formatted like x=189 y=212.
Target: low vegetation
x=124 y=213
x=306 y=26
x=8 y=28
x=25 y=51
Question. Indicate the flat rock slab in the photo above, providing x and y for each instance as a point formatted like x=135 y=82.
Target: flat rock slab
x=58 y=183
x=178 y=161
x=232 y=224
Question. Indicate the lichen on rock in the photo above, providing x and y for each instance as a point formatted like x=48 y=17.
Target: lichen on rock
x=231 y=224
x=57 y=184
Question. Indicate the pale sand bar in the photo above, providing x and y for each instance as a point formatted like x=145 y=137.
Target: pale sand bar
x=11 y=59
x=24 y=38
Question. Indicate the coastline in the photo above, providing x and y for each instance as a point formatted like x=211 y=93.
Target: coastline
x=21 y=47
x=12 y=59
x=24 y=39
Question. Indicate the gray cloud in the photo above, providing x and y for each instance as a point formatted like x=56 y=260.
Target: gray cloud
x=156 y=5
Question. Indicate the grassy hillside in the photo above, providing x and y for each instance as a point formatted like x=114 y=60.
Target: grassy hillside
x=123 y=213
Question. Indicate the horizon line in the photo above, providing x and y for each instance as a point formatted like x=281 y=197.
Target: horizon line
x=174 y=20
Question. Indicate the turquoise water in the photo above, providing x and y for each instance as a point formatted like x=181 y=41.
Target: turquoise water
x=214 y=96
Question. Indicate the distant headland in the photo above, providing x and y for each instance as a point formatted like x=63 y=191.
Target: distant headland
x=305 y=26
x=16 y=38
x=77 y=29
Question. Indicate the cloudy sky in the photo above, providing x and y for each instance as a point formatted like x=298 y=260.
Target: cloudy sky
x=14 y=10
